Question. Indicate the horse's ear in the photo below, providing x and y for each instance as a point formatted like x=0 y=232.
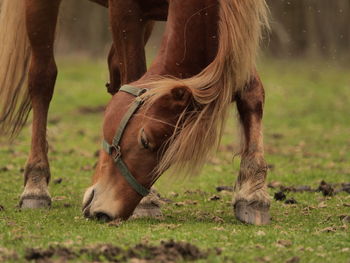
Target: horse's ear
x=181 y=93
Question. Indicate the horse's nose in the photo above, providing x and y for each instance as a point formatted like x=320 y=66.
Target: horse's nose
x=86 y=212
x=103 y=217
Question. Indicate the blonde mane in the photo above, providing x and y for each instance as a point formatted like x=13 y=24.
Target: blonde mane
x=199 y=132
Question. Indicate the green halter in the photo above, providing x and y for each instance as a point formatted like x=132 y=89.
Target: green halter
x=114 y=148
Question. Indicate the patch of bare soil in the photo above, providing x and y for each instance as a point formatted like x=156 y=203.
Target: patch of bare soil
x=290 y=201
x=6 y=255
x=91 y=110
x=167 y=251
x=42 y=255
x=224 y=188
x=58 y=181
x=280 y=196
x=325 y=188
x=346 y=187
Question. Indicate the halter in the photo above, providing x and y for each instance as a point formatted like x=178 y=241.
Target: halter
x=114 y=149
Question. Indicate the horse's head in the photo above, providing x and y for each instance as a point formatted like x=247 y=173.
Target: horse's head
x=134 y=139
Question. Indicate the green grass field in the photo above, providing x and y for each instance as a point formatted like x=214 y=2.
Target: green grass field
x=307 y=140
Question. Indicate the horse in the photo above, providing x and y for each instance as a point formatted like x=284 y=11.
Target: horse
x=173 y=116
x=27 y=34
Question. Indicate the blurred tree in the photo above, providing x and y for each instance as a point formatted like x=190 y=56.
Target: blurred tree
x=299 y=28
x=83 y=28
x=310 y=27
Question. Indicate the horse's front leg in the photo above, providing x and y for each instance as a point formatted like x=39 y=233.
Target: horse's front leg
x=251 y=202
x=41 y=17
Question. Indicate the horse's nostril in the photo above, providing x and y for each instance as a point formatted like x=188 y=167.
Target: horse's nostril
x=100 y=216
x=88 y=202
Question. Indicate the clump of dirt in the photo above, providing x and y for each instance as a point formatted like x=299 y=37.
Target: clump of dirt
x=2 y=208
x=107 y=251
x=224 y=188
x=280 y=196
x=214 y=198
x=38 y=254
x=167 y=251
x=58 y=181
x=326 y=189
x=346 y=187
x=294 y=259
x=290 y=201
x=296 y=189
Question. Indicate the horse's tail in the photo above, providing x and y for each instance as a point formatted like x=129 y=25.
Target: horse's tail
x=240 y=30
x=14 y=60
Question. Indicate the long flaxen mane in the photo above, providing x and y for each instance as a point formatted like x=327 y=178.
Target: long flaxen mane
x=198 y=132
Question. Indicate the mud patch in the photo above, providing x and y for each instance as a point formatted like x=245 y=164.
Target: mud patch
x=224 y=188
x=41 y=255
x=290 y=201
x=167 y=251
x=326 y=189
x=346 y=187
x=280 y=196
x=58 y=181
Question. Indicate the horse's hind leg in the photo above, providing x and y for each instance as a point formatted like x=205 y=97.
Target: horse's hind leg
x=251 y=204
x=41 y=18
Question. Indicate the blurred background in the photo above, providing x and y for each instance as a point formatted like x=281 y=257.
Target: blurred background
x=312 y=28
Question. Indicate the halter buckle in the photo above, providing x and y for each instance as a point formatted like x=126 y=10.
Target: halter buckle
x=142 y=91
x=117 y=151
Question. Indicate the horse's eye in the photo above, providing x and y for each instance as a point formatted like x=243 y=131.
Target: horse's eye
x=143 y=139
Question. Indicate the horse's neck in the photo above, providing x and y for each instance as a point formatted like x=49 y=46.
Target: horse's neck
x=190 y=40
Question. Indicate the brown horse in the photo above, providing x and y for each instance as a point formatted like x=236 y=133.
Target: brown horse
x=206 y=61
x=27 y=30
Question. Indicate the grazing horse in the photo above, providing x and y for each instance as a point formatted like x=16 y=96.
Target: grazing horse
x=27 y=30
x=174 y=115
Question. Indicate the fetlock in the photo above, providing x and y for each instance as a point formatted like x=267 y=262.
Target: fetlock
x=251 y=201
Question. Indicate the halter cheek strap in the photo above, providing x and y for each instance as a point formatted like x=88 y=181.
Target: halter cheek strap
x=114 y=148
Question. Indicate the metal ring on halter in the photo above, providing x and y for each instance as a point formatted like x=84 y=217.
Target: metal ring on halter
x=117 y=152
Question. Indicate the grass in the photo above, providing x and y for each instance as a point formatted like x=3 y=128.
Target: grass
x=307 y=140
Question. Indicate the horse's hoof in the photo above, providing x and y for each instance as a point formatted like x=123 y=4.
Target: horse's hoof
x=255 y=213
x=148 y=207
x=151 y=212
x=33 y=202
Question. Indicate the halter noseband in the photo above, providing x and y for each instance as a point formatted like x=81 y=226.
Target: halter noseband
x=114 y=148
